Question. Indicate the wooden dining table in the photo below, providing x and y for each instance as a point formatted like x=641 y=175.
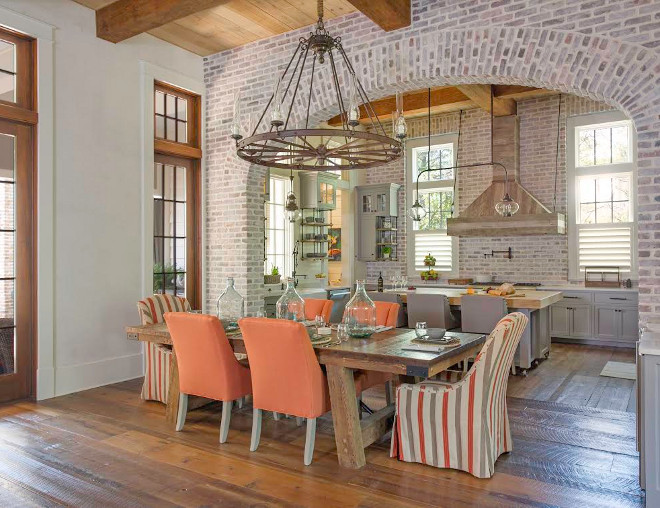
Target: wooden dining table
x=382 y=352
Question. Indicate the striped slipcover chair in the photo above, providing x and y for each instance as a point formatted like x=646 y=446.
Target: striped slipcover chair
x=158 y=357
x=462 y=425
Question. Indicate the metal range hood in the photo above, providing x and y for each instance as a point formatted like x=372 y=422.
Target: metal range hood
x=480 y=218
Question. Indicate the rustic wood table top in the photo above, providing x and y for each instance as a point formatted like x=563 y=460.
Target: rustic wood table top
x=524 y=299
x=383 y=351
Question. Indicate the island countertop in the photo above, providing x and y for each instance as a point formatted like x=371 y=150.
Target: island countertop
x=523 y=299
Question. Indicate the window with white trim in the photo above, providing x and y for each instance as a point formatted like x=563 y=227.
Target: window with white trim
x=601 y=171
x=436 y=194
x=279 y=231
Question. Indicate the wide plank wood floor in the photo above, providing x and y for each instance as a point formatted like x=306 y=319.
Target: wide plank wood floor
x=106 y=447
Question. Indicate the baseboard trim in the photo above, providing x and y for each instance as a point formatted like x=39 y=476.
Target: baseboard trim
x=83 y=376
x=595 y=342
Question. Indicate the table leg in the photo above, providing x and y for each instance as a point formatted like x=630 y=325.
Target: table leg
x=172 y=408
x=348 y=432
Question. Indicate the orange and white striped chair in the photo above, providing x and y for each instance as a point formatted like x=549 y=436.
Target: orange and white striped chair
x=462 y=425
x=158 y=357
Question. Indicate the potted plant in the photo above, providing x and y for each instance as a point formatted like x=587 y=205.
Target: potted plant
x=387 y=251
x=429 y=260
x=274 y=277
x=429 y=275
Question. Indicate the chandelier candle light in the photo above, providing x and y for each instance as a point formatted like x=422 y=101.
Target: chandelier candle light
x=275 y=142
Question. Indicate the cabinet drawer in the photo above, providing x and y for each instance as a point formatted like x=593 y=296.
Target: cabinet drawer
x=576 y=298
x=617 y=299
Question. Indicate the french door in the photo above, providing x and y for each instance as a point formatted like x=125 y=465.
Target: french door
x=17 y=261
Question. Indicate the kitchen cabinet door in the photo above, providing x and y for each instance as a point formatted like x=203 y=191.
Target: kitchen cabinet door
x=559 y=321
x=367 y=238
x=607 y=323
x=629 y=319
x=581 y=321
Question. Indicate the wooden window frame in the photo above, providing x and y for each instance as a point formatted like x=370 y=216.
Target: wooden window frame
x=180 y=153
x=20 y=118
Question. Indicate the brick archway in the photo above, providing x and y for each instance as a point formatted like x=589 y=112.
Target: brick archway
x=622 y=74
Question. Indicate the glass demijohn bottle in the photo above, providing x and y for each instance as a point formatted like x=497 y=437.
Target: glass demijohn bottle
x=360 y=313
x=230 y=306
x=291 y=306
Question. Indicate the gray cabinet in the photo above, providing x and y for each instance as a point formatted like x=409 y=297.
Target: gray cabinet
x=629 y=324
x=617 y=324
x=367 y=238
x=378 y=200
x=318 y=190
x=570 y=321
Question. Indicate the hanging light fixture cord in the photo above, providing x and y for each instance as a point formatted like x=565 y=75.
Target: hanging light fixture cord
x=458 y=145
x=554 y=199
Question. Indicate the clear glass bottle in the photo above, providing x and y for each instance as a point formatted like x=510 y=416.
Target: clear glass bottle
x=360 y=313
x=230 y=306
x=291 y=306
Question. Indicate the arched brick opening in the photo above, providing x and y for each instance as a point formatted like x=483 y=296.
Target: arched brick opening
x=619 y=73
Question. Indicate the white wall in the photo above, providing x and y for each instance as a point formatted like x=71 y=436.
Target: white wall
x=97 y=194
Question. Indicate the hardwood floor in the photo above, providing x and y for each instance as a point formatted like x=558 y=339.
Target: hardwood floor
x=572 y=376
x=106 y=447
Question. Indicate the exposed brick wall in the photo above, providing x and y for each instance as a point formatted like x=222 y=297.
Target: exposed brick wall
x=537 y=258
x=602 y=50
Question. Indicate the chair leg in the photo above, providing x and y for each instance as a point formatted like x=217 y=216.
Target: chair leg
x=183 y=409
x=513 y=369
x=359 y=405
x=241 y=401
x=225 y=419
x=256 y=429
x=465 y=366
x=388 y=392
x=310 y=437
x=299 y=421
x=276 y=416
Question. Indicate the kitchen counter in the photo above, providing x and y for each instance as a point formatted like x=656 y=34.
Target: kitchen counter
x=545 y=287
x=533 y=299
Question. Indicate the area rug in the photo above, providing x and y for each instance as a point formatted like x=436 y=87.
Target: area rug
x=620 y=369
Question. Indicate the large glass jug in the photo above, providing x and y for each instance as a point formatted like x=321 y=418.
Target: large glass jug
x=360 y=313
x=230 y=306
x=291 y=306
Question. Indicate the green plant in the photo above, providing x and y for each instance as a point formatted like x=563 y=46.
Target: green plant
x=164 y=273
x=275 y=270
x=387 y=250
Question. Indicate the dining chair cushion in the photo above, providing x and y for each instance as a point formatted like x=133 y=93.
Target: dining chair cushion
x=318 y=307
x=464 y=425
x=378 y=296
x=206 y=361
x=152 y=308
x=386 y=313
x=481 y=313
x=434 y=310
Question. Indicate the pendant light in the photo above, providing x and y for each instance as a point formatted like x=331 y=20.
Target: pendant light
x=506 y=207
x=291 y=207
x=319 y=62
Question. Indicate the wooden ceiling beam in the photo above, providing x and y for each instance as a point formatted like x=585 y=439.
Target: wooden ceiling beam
x=416 y=104
x=480 y=94
x=123 y=19
x=387 y=14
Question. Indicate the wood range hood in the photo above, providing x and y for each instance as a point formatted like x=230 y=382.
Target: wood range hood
x=481 y=219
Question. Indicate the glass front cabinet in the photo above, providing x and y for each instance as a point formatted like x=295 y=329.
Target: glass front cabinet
x=377 y=207
x=318 y=190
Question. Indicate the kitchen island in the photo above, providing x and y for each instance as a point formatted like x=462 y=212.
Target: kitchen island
x=535 y=304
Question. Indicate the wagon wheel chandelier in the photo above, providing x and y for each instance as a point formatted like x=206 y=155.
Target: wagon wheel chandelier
x=274 y=142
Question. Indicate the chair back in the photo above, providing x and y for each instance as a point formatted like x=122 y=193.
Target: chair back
x=286 y=376
x=481 y=313
x=433 y=309
x=317 y=307
x=152 y=308
x=377 y=296
x=207 y=365
x=489 y=374
x=387 y=313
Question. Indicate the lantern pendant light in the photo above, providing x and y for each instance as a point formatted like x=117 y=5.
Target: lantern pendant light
x=291 y=207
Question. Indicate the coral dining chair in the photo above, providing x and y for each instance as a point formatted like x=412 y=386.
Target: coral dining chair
x=158 y=357
x=387 y=313
x=286 y=376
x=207 y=365
x=317 y=307
x=468 y=427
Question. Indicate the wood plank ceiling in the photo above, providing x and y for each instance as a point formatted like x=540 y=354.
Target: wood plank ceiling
x=236 y=22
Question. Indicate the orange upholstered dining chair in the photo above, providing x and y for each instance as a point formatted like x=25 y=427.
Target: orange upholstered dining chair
x=286 y=376
x=386 y=313
x=157 y=356
x=317 y=307
x=207 y=365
